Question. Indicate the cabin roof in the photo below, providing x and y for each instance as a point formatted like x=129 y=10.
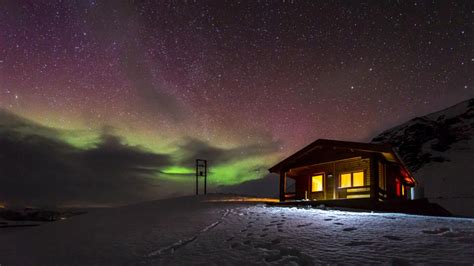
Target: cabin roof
x=384 y=149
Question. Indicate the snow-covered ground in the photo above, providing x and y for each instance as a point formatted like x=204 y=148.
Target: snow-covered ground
x=193 y=230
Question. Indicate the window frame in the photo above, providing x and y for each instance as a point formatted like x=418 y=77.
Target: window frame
x=322 y=182
x=352 y=179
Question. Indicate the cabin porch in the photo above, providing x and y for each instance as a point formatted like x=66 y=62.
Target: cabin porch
x=352 y=178
x=342 y=179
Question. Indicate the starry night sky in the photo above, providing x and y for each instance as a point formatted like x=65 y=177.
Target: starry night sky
x=243 y=83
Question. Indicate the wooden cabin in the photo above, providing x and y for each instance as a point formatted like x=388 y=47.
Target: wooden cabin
x=330 y=170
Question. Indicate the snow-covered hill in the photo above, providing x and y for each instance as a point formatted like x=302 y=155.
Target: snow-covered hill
x=439 y=149
x=213 y=230
x=266 y=186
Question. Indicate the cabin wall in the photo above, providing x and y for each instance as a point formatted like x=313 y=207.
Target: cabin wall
x=383 y=178
x=351 y=166
x=395 y=188
x=331 y=179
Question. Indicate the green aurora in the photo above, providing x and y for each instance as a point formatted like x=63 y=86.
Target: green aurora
x=230 y=172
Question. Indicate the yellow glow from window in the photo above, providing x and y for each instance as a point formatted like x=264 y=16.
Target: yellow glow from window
x=346 y=180
x=354 y=179
x=358 y=196
x=317 y=183
x=358 y=179
x=359 y=189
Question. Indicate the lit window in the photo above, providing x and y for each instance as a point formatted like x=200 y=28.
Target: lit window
x=358 y=179
x=346 y=180
x=317 y=183
x=354 y=179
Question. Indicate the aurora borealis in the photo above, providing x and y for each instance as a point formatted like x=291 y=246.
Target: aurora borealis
x=241 y=83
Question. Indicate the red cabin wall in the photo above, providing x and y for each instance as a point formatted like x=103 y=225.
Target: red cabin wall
x=394 y=182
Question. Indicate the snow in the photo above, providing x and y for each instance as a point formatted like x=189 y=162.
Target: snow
x=198 y=230
x=438 y=148
x=437 y=179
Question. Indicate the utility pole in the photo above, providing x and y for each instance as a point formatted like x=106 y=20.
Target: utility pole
x=201 y=170
x=205 y=177
x=197 y=177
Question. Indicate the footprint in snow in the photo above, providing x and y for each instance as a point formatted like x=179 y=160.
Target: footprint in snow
x=230 y=239
x=349 y=229
x=250 y=234
x=292 y=253
x=273 y=258
x=263 y=246
x=328 y=219
x=263 y=235
x=395 y=238
x=339 y=223
x=276 y=241
x=436 y=231
x=289 y=256
x=243 y=230
x=304 y=225
x=358 y=243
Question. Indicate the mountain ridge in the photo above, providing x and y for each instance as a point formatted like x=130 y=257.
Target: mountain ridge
x=438 y=148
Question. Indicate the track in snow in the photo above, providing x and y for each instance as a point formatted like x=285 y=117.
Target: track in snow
x=183 y=242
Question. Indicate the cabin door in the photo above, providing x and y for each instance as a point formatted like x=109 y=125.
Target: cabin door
x=330 y=192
